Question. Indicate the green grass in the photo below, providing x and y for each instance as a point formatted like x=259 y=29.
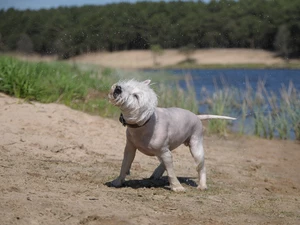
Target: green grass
x=85 y=88
x=82 y=89
x=274 y=115
x=170 y=94
x=221 y=104
x=283 y=116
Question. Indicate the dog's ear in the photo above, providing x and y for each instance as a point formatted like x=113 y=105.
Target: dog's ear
x=147 y=82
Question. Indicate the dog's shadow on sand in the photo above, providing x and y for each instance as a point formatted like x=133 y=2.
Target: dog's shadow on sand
x=155 y=183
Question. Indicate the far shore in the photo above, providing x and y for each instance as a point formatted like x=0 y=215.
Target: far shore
x=172 y=58
x=202 y=58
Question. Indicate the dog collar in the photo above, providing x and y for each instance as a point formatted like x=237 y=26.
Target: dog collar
x=123 y=121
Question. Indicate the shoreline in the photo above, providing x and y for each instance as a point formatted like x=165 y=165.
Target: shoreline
x=201 y=59
x=228 y=66
x=173 y=59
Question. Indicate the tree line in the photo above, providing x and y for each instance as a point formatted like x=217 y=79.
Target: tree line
x=70 y=31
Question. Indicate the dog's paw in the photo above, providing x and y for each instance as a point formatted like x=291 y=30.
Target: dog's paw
x=178 y=189
x=202 y=187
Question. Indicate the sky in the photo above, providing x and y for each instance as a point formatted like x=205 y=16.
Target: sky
x=46 y=4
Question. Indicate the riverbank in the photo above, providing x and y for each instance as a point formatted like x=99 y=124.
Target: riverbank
x=202 y=58
x=172 y=58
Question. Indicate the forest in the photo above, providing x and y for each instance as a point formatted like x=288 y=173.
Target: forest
x=68 y=31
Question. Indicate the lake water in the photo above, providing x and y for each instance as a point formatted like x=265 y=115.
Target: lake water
x=273 y=78
x=211 y=79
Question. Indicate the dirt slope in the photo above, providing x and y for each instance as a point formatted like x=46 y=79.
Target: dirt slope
x=55 y=163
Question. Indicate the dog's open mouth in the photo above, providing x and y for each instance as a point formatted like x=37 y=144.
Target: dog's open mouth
x=114 y=94
x=117 y=91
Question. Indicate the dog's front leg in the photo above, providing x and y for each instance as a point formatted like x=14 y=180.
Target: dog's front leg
x=166 y=158
x=129 y=154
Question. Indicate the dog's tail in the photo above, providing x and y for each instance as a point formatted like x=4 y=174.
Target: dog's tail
x=208 y=117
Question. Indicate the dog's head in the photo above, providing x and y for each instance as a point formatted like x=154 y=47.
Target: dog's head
x=134 y=98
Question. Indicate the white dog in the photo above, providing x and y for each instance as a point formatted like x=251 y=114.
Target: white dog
x=157 y=131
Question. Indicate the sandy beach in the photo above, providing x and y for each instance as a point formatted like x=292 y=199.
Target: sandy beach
x=56 y=164
x=137 y=59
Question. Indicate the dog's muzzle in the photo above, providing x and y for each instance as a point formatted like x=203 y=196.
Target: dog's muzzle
x=117 y=91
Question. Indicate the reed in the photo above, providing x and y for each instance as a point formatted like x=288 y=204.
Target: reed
x=85 y=88
x=171 y=94
x=219 y=103
x=272 y=115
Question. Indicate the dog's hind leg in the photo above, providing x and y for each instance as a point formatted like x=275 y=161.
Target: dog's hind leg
x=166 y=158
x=158 y=172
x=197 y=151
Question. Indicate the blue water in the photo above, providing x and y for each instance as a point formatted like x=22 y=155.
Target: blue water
x=274 y=78
x=213 y=79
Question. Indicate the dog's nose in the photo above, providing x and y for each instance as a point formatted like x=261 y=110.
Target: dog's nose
x=117 y=91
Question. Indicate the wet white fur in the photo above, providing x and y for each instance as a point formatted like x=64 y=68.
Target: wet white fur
x=137 y=102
